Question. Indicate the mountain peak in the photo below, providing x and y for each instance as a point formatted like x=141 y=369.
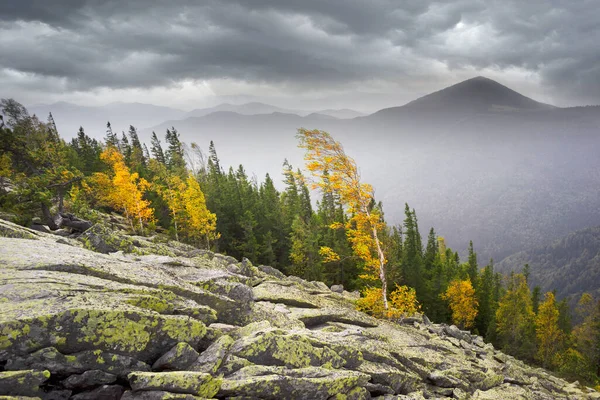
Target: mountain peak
x=478 y=94
x=474 y=95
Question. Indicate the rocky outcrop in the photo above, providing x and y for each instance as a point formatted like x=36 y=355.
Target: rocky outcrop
x=167 y=321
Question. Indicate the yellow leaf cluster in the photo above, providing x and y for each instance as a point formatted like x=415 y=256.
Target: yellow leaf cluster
x=403 y=303
x=462 y=301
x=123 y=190
x=328 y=254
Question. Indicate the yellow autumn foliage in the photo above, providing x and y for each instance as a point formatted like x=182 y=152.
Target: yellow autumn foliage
x=403 y=303
x=123 y=190
x=461 y=299
x=337 y=172
x=547 y=332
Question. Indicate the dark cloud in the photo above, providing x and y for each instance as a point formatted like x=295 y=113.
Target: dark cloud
x=303 y=43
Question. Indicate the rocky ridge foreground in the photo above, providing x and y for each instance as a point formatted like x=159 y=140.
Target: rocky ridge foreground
x=168 y=321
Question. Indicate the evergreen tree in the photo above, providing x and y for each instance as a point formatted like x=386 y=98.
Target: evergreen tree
x=485 y=297
x=413 y=254
x=53 y=135
x=174 y=155
x=111 y=138
x=515 y=319
x=137 y=159
x=564 y=317
x=535 y=298
x=125 y=148
x=156 y=149
x=526 y=272
x=39 y=169
x=472 y=266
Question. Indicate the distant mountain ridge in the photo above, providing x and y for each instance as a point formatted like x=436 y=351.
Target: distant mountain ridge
x=570 y=265
x=252 y=108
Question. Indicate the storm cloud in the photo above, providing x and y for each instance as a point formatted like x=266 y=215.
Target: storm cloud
x=298 y=45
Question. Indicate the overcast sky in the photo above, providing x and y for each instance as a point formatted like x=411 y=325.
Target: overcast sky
x=294 y=53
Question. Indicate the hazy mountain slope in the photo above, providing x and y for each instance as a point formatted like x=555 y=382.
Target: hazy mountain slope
x=69 y=117
x=571 y=265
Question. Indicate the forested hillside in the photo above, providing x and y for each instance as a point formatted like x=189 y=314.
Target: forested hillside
x=337 y=234
x=570 y=266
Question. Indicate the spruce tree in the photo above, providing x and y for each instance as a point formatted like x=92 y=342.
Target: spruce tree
x=472 y=266
x=412 y=262
x=156 y=149
x=111 y=138
x=174 y=155
x=137 y=159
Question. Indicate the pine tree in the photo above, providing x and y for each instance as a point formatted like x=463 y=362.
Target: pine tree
x=485 y=298
x=137 y=158
x=125 y=148
x=535 y=298
x=52 y=130
x=88 y=152
x=111 y=138
x=156 y=149
x=515 y=319
x=304 y=251
x=412 y=262
x=526 y=272
x=584 y=360
x=273 y=236
x=174 y=155
x=42 y=171
x=472 y=266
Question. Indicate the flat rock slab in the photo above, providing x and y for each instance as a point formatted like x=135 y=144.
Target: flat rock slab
x=273 y=383
x=186 y=382
x=77 y=363
x=89 y=379
x=158 y=395
x=22 y=383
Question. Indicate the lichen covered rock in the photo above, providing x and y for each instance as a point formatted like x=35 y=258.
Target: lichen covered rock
x=23 y=383
x=80 y=324
x=186 y=382
x=280 y=383
x=181 y=356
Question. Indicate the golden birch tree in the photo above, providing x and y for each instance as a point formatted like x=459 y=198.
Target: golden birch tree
x=326 y=156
